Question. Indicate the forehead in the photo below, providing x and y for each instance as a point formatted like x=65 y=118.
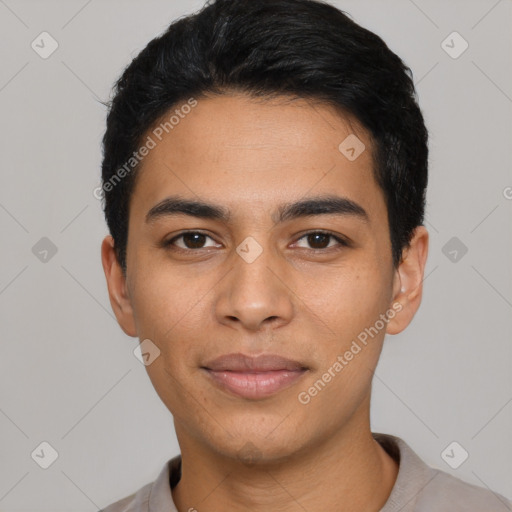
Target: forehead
x=249 y=153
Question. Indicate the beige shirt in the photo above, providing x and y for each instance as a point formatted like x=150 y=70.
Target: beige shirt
x=418 y=488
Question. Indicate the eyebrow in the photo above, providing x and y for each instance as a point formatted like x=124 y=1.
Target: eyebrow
x=323 y=205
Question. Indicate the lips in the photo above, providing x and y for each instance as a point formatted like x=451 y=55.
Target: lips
x=254 y=377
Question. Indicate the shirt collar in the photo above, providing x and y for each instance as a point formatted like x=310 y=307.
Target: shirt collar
x=413 y=474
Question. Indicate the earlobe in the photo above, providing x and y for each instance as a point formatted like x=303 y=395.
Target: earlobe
x=408 y=281
x=117 y=289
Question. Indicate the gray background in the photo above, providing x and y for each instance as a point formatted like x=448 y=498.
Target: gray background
x=68 y=375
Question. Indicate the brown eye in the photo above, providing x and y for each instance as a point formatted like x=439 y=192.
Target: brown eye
x=318 y=240
x=194 y=240
x=190 y=240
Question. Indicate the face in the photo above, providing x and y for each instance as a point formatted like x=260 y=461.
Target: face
x=257 y=304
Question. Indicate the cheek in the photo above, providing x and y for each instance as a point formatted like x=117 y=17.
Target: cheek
x=172 y=311
x=156 y=306
x=159 y=297
x=346 y=300
x=169 y=314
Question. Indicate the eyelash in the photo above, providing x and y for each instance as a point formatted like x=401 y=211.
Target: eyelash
x=170 y=243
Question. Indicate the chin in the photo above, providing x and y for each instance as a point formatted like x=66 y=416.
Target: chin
x=253 y=444
x=261 y=452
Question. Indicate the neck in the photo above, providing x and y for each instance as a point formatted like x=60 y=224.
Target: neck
x=349 y=471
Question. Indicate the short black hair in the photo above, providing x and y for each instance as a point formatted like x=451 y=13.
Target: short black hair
x=270 y=48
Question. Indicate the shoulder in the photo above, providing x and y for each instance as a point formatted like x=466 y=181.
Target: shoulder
x=136 y=502
x=422 y=488
x=156 y=495
x=445 y=492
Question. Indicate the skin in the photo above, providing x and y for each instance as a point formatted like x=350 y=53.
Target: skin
x=251 y=156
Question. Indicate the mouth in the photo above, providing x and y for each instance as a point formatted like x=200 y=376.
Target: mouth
x=254 y=377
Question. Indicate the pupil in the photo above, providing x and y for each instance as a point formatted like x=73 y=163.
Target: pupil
x=321 y=236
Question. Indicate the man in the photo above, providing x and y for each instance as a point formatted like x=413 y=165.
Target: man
x=265 y=172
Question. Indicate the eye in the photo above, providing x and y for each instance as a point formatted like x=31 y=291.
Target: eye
x=190 y=240
x=194 y=240
x=319 y=240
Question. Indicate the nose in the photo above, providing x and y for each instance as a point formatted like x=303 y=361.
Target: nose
x=255 y=295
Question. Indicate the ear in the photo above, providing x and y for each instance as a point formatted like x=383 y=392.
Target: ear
x=117 y=289
x=408 y=281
